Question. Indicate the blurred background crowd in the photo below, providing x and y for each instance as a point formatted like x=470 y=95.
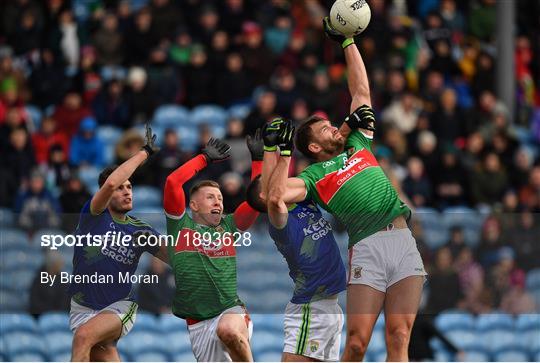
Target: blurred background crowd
x=78 y=80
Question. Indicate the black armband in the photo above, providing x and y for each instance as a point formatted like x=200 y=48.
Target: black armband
x=362 y=118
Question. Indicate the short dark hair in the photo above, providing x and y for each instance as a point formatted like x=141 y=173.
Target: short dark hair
x=105 y=173
x=304 y=134
x=203 y=183
x=253 y=197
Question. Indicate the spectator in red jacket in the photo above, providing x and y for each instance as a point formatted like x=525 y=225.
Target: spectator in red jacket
x=47 y=136
x=70 y=113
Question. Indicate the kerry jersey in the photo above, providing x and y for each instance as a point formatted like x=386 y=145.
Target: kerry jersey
x=309 y=247
x=353 y=187
x=203 y=259
x=110 y=260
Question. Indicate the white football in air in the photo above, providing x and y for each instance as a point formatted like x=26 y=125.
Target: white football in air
x=350 y=17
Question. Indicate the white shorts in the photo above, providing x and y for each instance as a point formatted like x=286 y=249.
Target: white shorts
x=205 y=343
x=385 y=258
x=125 y=310
x=314 y=329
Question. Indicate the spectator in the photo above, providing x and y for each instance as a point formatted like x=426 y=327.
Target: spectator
x=36 y=207
x=111 y=106
x=140 y=38
x=233 y=75
x=428 y=153
x=416 y=185
x=450 y=180
x=321 y=94
x=516 y=300
x=48 y=80
x=489 y=183
x=490 y=243
x=457 y=241
x=165 y=18
x=141 y=99
x=199 y=78
x=88 y=80
x=44 y=297
x=108 y=41
x=444 y=292
x=46 y=137
x=521 y=167
x=74 y=196
x=524 y=237
x=56 y=171
x=169 y=158
x=263 y=112
x=448 y=120
x=402 y=113
x=220 y=50
x=13 y=121
x=70 y=113
x=86 y=148
x=66 y=39
x=422 y=333
x=482 y=19
x=258 y=59
x=157 y=297
x=471 y=156
x=128 y=145
x=529 y=195
x=277 y=36
x=471 y=280
x=505 y=273
x=27 y=37
x=286 y=91
x=208 y=25
x=19 y=156
x=180 y=50
x=452 y=17
x=232 y=190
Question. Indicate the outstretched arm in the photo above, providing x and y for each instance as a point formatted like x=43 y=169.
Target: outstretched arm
x=100 y=200
x=277 y=209
x=174 y=200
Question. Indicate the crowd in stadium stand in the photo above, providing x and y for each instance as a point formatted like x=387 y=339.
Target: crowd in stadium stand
x=69 y=68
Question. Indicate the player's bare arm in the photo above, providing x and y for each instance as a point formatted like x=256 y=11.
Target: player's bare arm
x=277 y=209
x=101 y=199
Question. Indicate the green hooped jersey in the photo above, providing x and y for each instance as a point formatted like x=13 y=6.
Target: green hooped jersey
x=204 y=263
x=353 y=187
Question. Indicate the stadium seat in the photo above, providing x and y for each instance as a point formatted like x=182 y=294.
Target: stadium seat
x=377 y=342
x=525 y=322
x=272 y=323
x=170 y=116
x=435 y=231
x=12 y=238
x=440 y=356
x=497 y=340
x=146 y=322
x=35 y=115
x=263 y=341
x=151 y=357
x=476 y=356
x=189 y=136
x=184 y=357
x=53 y=322
x=269 y=356
x=58 y=342
x=28 y=357
x=137 y=343
x=454 y=319
x=146 y=196
x=7 y=219
x=14 y=322
x=464 y=339
x=89 y=176
x=11 y=301
x=211 y=115
x=169 y=323
x=64 y=357
x=270 y=302
x=530 y=340
x=239 y=111
x=533 y=279
x=494 y=321
x=181 y=344
x=17 y=343
x=511 y=356
x=109 y=135
x=379 y=356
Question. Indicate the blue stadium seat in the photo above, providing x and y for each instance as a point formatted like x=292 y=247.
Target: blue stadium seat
x=269 y=356
x=14 y=322
x=527 y=322
x=58 y=342
x=454 y=319
x=377 y=342
x=464 y=339
x=440 y=356
x=533 y=279
x=89 y=176
x=435 y=231
x=271 y=302
x=17 y=343
x=169 y=116
x=137 y=343
x=497 y=340
x=476 y=356
x=239 y=111
x=11 y=301
x=530 y=340
x=146 y=322
x=108 y=157
x=7 y=219
x=494 y=321
x=109 y=135
x=263 y=341
x=181 y=344
x=379 y=356
x=188 y=134
x=272 y=323
x=35 y=115
x=12 y=238
x=379 y=324
x=63 y=357
x=511 y=356
x=212 y=115
x=168 y=323
x=151 y=357
x=184 y=357
x=146 y=196
x=54 y=322
x=28 y=357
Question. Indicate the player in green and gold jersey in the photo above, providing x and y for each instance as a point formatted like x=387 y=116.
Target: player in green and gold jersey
x=385 y=267
x=203 y=257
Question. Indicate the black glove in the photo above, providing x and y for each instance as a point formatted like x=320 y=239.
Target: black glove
x=216 y=151
x=150 y=139
x=271 y=133
x=286 y=139
x=256 y=146
x=335 y=35
x=362 y=118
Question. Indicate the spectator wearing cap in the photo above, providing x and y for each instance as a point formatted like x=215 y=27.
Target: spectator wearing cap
x=43 y=297
x=86 y=148
x=141 y=99
x=129 y=144
x=180 y=49
x=258 y=59
x=69 y=114
x=47 y=136
x=426 y=150
x=36 y=207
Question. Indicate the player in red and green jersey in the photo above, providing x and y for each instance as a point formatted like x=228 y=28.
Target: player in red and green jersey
x=385 y=267
x=203 y=257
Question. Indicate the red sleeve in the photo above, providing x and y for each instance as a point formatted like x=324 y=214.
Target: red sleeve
x=244 y=215
x=174 y=200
